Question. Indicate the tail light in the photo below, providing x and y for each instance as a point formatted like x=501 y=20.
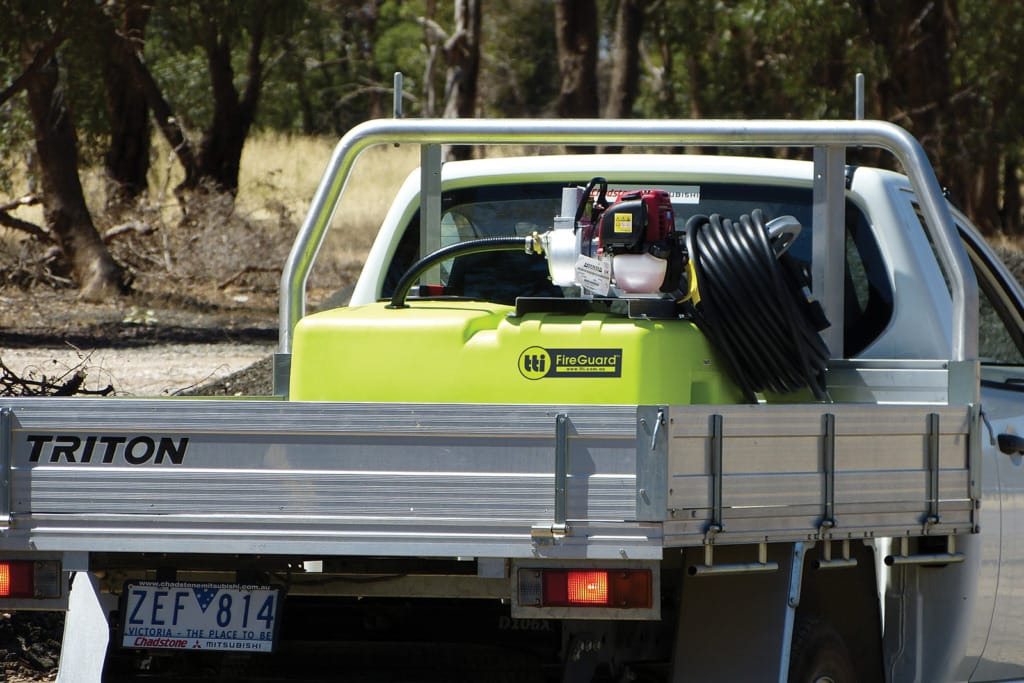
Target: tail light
x=588 y=592
x=29 y=579
x=620 y=588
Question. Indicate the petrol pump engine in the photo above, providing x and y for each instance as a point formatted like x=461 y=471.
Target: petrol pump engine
x=629 y=248
x=638 y=233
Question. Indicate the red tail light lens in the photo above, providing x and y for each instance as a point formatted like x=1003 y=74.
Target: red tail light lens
x=619 y=588
x=17 y=579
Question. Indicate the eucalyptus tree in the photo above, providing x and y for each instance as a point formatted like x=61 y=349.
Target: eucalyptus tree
x=38 y=31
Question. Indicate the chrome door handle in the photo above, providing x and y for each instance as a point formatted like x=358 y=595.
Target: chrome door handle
x=1011 y=444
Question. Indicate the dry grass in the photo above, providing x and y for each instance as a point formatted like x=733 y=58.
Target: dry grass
x=288 y=170
x=220 y=245
x=279 y=176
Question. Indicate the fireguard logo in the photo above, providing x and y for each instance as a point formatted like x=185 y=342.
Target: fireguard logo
x=537 y=362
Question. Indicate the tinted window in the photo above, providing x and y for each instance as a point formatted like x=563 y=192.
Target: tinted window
x=477 y=212
x=999 y=320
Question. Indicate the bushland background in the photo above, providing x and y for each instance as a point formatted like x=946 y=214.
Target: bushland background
x=133 y=133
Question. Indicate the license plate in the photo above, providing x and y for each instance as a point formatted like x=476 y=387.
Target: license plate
x=199 y=616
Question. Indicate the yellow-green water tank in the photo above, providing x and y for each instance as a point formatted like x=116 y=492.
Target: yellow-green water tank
x=476 y=352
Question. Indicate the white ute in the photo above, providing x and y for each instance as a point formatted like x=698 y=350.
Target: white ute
x=835 y=497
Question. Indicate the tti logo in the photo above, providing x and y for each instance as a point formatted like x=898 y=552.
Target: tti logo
x=534 y=362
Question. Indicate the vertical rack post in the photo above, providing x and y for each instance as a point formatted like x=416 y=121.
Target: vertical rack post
x=828 y=520
x=561 y=468
x=397 y=103
x=859 y=102
x=933 y=469
x=430 y=205
x=6 y=462
x=828 y=240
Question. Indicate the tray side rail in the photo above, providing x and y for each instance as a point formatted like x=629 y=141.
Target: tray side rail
x=764 y=473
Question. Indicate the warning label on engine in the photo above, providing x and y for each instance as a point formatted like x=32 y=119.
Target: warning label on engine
x=594 y=275
x=537 y=362
x=624 y=222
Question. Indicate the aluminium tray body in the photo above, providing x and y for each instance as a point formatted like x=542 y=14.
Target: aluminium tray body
x=572 y=481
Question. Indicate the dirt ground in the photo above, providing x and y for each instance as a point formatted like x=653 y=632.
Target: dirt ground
x=142 y=345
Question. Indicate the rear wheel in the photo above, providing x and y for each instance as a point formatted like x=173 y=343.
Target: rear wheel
x=819 y=654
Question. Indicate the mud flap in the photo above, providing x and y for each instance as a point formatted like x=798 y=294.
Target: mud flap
x=86 y=633
x=738 y=626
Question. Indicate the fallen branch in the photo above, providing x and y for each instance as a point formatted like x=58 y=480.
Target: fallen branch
x=68 y=384
x=9 y=221
x=245 y=271
x=27 y=200
x=72 y=386
x=133 y=226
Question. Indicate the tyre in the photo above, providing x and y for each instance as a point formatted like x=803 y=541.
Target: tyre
x=819 y=654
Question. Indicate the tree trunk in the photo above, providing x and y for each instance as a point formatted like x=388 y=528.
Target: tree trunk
x=127 y=159
x=629 y=21
x=622 y=90
x=64 y=208
x=215 y=166
x=576 y=36
x=220 y=151
x=979 y=197
x=1012 y=216
x=165 y=119
x=462 y=54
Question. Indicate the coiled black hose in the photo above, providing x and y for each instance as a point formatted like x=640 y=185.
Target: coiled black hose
x=752 y=307
x=479 y=246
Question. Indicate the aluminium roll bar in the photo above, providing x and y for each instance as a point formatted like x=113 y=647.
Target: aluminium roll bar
x=830 y=139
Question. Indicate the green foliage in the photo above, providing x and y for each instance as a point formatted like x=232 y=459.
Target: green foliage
x=398 y=46
x=81 y=61
x=518 y=77
x=183 y=77
x=181 y=33
x=293 y=98
x=26 y=23
x=15 y=133
x=988 y=65
x=336 y=68
x=754 y=58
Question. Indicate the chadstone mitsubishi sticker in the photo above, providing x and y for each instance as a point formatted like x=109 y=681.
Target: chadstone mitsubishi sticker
x=537 y=362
